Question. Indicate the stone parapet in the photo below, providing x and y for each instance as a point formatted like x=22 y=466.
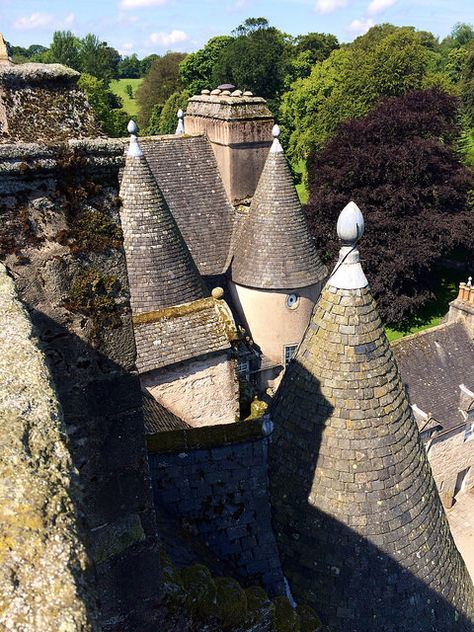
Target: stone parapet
x=61 y=239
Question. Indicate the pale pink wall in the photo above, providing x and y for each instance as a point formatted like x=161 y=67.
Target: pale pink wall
x=269 y=321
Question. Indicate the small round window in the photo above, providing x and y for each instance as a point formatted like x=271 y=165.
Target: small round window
x=292 y=301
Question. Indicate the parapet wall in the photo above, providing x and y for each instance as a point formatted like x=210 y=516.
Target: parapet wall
x=61 y=240
x=41 y=102
x=216 y=482
x=41 y=554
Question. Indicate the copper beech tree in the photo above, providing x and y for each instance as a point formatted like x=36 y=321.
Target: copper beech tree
x=400 y=166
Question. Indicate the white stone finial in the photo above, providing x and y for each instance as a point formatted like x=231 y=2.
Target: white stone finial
x=348 y=273
x=276 y=147
x=469 y=281
x=180 y=128
x=350 y=224
x=134 y=148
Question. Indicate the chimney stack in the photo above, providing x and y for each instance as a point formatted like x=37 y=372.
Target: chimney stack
x=239 y=127
x=462 y=308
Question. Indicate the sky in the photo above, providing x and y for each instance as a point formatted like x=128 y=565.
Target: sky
x=155 y=26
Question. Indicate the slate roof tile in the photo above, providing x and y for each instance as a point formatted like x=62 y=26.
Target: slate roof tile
x=433 y=364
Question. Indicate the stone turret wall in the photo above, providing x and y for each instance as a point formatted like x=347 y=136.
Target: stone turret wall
x=40 y=549
x=61 y=240
x=216 y=482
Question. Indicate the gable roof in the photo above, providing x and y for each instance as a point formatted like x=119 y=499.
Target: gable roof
x=433 y=364
x=186 y=172
x=276 y=249
x=160 y=268
x=183 y=332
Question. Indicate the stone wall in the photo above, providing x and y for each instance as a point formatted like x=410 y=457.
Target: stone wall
x=449 y=455
x=61 y=240
x=202 y=392
x=221 y=493
x=40 y=550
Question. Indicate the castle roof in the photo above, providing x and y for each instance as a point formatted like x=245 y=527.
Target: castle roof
x=157 y=418
x=186 y=172
x=160 y=267
x=276 y=250
x=433 y=364
x=361 y=528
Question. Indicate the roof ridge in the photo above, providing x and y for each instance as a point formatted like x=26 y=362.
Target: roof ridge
x=428 y=330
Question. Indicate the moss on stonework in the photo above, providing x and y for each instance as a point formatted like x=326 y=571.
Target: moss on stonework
x=310 y=622
x=200 y=588
x=231 y=602
x=285 y=617
x=258 y=604
x=17 y=231
x=92 y=230
x=95 y=296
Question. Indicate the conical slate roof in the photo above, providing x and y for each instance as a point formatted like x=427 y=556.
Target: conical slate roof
x=362 y=533
x=161 y=270
x=276 y=250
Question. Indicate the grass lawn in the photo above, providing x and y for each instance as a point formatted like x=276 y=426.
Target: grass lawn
x=432 y=314
x=303 y=192
x=118 y=87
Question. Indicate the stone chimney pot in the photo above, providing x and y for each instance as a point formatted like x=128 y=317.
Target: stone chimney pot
x=205 y=92
x=216 y=91
x=247 y=93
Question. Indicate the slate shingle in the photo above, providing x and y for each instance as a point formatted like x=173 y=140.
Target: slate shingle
x=275 y=249
x=157 y=418
x=180 y=333
x=433 y=364
x=160 y=268
x=186 y=172
x=362 y=533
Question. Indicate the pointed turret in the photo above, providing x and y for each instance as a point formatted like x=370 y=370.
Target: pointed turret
x=276 y=249
x=362 y=533
x=276 y=271
x=161 y=270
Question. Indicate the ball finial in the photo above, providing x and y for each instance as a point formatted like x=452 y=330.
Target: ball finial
x=276 y=131
x=350 y=224
x=217 y=293
x=132 y=127
x=276 y=147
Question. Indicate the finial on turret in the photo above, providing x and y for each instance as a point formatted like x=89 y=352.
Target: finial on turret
x=348 y=273
x=276 y=146
x=134 y=148
x=469 y=281
x=180 y=128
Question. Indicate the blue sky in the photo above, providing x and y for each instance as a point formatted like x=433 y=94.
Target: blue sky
x=147 y=26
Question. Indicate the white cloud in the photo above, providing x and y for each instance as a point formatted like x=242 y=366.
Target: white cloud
x=376 y=6
x=359 y=27
x=136 y=4
x=168 y=39
x=33 y=21
x=329 y=6
x=69 y=19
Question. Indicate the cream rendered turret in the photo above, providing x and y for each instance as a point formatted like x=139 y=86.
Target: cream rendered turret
x=276 y=271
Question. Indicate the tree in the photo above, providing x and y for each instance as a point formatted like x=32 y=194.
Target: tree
x=130 y=67
x=399 y=165
x=158 y=85
x=146 y=63
x=387 y=61
x=64 y=49
x=309 y=49
x=254 y=60
x=164 y=118
x=98 y=59
x=197 y=71
x=105 y=104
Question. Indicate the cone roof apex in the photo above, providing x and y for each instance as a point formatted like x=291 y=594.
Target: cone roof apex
x=134 y=148
x=276 y=147
x=348 y=273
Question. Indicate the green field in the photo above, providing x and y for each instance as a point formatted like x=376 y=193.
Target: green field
x=118 y=87
x=303 y=193
x=433 y=313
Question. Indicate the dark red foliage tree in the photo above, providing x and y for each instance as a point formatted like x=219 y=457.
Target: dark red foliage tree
x=399 y=165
